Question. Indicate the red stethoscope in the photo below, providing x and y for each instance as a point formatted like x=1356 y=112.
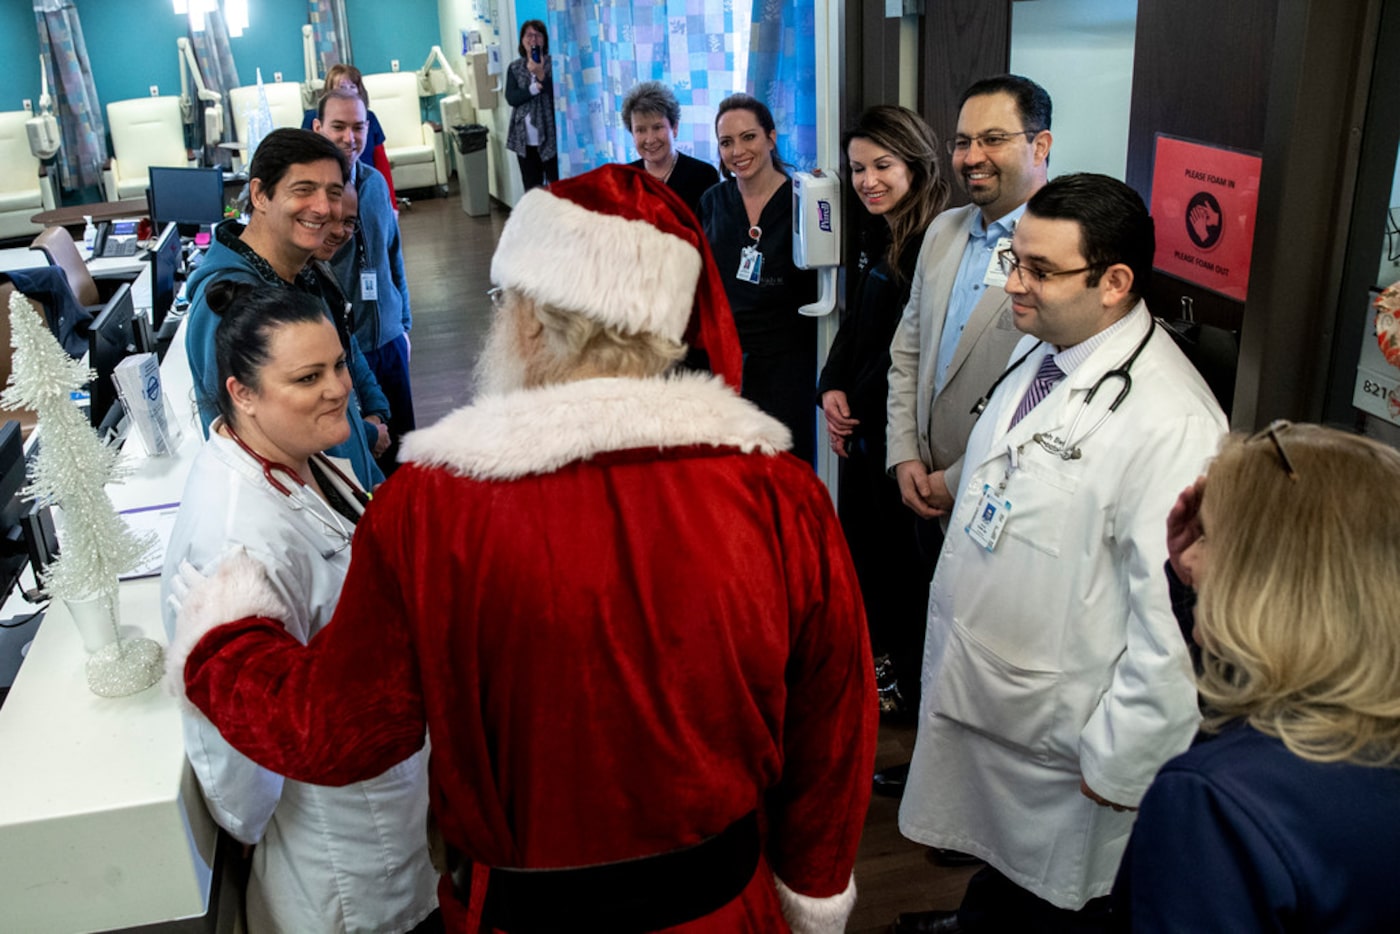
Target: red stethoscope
x=300 y=499
x=270 y=467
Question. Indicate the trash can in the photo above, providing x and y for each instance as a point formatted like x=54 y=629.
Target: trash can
x=472 y=169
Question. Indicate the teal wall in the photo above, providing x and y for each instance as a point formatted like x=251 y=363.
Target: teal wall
x=527 y=10
x=19 y=51
x=131 y=43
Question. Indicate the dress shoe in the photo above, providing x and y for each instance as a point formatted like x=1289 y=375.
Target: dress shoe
x=926 y=922
x=889 y=783
x=887 y=688
x=936 y=854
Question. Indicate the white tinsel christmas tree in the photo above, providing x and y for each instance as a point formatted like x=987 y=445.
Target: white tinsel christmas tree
x=72 y=470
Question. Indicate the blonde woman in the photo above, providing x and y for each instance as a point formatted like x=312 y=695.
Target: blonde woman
x=1285 y=815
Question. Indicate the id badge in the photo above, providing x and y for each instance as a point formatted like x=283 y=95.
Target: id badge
x=369 y=285
x=750 y=265
x=994 y=276
x=989 y=519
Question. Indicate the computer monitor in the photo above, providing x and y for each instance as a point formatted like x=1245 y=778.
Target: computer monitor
x=189 y=197
x=111 y=340
x=165 y=263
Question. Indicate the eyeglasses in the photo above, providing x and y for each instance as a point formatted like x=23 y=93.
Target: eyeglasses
x=350 y=224
x=497 y=296
x=990 y=142
x=1272 y=432
x=1009 y=263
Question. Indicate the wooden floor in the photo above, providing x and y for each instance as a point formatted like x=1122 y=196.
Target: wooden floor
x=447 y=255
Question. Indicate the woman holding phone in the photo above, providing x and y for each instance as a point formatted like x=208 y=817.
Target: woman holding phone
x=530 y=93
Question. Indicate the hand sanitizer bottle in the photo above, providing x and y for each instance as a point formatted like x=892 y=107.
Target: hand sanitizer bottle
x=89 y=235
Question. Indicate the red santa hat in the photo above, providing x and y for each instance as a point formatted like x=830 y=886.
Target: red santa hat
x=619 y=246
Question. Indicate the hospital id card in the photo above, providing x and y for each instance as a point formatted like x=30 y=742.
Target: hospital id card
x=750 y=265
x=369 y=285
x=994 y=276
x=989 y=519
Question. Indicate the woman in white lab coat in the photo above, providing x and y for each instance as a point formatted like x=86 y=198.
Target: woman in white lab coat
x=324 y=859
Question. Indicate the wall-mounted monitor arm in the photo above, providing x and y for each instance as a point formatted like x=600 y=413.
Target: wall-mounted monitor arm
x=44 y=138
x=425 y=80
x=311 y=87
x=214 y=112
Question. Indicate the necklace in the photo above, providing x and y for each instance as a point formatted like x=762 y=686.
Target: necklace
x=675 y=157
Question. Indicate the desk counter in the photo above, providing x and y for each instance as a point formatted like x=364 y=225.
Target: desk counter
x=76 y=215
x=102 y=825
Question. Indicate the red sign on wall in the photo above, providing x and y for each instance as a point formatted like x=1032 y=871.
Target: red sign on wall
x=1203 y=203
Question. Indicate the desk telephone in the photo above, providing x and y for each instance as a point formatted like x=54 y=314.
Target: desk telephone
x=115 y=238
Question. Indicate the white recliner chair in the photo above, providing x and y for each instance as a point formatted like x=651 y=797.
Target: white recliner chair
x=283 y=103
x=145 y=131
x=24 y=191
x=415 y=148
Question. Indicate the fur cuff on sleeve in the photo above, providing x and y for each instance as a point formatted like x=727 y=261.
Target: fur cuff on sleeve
x=238 y=589
x=808 y=915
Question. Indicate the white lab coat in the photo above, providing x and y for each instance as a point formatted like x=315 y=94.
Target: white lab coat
x=1056 y=655
x=327 y=859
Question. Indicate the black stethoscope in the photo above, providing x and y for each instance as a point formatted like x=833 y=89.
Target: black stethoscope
x=1066 y=449
x=298 y=495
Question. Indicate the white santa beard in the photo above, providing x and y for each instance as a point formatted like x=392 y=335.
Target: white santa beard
x=500 y=368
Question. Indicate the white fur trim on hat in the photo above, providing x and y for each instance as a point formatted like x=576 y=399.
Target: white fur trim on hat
x=238 y=589
x=808 y=915
x=624 y=273
x=537 y=431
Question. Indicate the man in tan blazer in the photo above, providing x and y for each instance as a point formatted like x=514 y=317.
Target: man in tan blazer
x=956 y=334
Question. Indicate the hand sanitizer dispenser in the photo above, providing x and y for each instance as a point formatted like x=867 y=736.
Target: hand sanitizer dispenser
x=816 y=233
x=816 y=220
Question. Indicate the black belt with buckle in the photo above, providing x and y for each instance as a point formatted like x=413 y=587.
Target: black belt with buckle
x=628 y=897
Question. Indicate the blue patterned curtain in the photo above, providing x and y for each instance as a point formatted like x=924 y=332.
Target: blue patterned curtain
x=601 y=48
x=215 y=59
x=327 y=25
x=783 y=74
x=79 y=114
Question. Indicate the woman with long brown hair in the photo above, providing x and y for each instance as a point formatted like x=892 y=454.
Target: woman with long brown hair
x=893 y=166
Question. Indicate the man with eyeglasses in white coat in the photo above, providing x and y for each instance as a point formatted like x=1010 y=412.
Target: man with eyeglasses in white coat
x=1056 y=678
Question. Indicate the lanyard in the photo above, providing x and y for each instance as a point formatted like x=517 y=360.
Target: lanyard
x=1067 y=449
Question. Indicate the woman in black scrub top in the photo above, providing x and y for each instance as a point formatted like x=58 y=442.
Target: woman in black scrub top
x=748 y=221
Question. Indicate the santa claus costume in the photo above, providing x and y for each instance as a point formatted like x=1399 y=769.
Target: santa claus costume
x=626 y=616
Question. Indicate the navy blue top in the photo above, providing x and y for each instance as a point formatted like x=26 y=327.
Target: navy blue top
x=1239 y=834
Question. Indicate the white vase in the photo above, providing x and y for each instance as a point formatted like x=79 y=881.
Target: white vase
x=93 y=617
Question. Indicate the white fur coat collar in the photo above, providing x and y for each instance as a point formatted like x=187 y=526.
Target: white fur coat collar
x=538 y=431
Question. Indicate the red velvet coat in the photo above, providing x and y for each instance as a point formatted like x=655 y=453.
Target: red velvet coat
x=625 y=619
